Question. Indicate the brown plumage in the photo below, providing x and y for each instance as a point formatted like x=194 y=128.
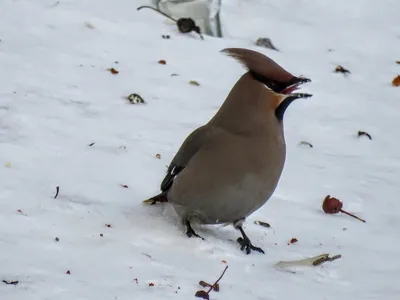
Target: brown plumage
x=228 y=168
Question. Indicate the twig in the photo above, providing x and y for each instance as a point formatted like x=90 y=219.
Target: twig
x=306 y=143
x=351 y=215
x=204 y=294
x=360 y=133
x=185 y=25
x=159 y=11
x=11 y=282
x=57 y=191
x=220 y=277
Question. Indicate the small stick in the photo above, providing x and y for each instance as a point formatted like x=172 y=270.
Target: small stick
x=351 y=215
x=220 y=277
x=159 y=11
x=57 y=191
x=306 y=143
x=204 y=294
x=185 y=25
x=360 y=133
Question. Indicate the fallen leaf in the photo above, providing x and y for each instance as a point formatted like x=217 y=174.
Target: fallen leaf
x=396 y=81
x=202 y=294
x=162 y=62
x=135 y=99
x=263 y=224
x=224 y=261
x=340 y=69
x=310 y=261
x=194 y=82
x=151 y=284
x=113 y=71
x=266 y=43
x=293 y=241
x=158 y=156
x=205 y=284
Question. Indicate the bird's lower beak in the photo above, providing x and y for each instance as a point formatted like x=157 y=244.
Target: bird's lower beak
x=295 y=96
x=298 y=81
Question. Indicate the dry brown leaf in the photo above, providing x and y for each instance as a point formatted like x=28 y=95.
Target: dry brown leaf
x=158 y=155
x=398 y=62
x=293 y=241
x=162 y=62
x=202 y=294
x=113 y=71
x=340 y=69
x=396 y=81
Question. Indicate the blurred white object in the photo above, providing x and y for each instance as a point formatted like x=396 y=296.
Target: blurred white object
x=205 y=13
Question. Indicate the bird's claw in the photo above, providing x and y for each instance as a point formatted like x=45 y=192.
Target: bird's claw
x=245 y=244
x=190 y=232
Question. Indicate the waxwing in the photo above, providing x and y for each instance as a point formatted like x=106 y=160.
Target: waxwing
x=228 y=168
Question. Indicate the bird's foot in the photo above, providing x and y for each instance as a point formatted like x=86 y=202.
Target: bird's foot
x=244 y=241
x=245 y=244
x=190 y=232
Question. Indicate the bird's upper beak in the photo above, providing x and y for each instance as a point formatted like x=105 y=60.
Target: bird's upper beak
x=295 y=84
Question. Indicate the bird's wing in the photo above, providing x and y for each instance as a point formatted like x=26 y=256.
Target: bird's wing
x=189 y=148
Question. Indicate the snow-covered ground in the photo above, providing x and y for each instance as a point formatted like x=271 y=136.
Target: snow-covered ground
x=57 y=97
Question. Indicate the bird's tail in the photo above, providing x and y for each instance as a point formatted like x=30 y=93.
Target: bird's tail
x=162 y=197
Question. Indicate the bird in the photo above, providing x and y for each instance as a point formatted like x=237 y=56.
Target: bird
x=228 y=168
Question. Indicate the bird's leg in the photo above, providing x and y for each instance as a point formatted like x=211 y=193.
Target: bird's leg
x=190 y=232
x=244 y=241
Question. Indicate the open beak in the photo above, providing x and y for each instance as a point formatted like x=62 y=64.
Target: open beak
x=295 y=96
x=296 y=85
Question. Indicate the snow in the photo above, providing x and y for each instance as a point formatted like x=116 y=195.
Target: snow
x=57 y=97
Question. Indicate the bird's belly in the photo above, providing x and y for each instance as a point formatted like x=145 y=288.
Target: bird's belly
x=226 y=203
